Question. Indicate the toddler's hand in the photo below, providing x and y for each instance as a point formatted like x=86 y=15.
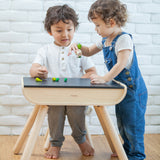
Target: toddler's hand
x=42 y=72
x=74 y=48
x=96 y=79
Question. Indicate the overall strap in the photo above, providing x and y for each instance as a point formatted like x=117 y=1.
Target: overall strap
x=103 y=40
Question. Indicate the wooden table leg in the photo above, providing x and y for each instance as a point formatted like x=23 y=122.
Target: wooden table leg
x=110 y=132
x=26 y=130
x=47 y=142
x=88 y=136
x=46 y=135
x=34 y=133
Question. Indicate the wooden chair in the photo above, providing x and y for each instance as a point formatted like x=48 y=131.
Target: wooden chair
x=32 y=120
x=88 y=136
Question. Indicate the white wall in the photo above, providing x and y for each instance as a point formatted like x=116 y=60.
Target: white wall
x=22 y=33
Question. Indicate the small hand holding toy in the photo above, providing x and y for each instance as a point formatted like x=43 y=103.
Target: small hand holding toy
x=79 y=52
x=77 y=49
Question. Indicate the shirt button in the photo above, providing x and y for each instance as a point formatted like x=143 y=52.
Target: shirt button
x=62 y=47
x=62 y=52
x=127 y=73
x=130 y=86
x=62 y=59
x=129 y=78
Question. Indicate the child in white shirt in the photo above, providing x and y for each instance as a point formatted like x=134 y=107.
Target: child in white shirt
x=52 y=60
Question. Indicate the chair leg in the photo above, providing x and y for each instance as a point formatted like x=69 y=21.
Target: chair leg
x=47 y=143
x=110 y=132
x=26 y=130
x=88 y=136
x=34 y=133
x=46 y=135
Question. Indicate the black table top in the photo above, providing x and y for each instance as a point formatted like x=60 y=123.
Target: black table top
x=71 y=83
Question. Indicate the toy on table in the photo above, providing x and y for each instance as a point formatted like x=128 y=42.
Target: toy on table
x=79 y=52
x=65 y=79
x=55 y=79
x=38 y=79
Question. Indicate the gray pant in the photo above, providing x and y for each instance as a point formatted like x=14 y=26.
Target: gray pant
x=56 y=119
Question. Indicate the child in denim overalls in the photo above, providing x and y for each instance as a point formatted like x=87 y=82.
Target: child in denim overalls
x=120 y=58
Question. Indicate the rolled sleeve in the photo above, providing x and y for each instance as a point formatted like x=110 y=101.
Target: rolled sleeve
x=99 y=44
x=40 y=57
x=86 y=63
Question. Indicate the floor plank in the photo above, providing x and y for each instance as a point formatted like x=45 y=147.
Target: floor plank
x=70 y=150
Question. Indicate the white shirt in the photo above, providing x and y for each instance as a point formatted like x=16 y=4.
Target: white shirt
x=123 y=42
x=59 y=64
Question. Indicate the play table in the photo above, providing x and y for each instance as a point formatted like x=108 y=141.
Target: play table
x=73 y=91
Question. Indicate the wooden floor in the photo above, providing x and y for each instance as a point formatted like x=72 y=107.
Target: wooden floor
x=70 y=150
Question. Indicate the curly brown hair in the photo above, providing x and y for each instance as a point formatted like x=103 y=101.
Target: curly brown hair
x=109 y=9
x=60 y=13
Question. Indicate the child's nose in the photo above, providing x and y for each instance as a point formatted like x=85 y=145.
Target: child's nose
x=65 y=33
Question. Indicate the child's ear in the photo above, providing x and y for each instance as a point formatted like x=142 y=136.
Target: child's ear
x=112 y=22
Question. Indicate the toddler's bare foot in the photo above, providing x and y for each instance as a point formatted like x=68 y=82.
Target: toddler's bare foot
x=86 y=149
x=114 y=155
x=52 y=153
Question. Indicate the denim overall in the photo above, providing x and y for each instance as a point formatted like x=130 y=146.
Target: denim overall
x=130 y=112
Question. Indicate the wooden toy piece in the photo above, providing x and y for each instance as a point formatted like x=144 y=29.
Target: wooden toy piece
x=53 y=79
x=38 y=80
x=65 y=79
x=79 y=46
x=79 y=53
x=57 y=79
